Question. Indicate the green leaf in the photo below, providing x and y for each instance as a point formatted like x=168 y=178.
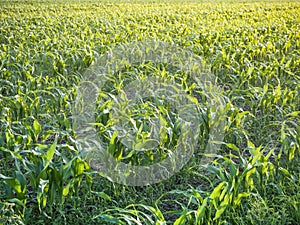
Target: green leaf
x=50 y=153
x=222 y=207
x=108 y=218
x=101 y=194
x=220 y=212
x=37 y=128
x=66 y=189
x=41 y=193
x=217 y=191
x=15 y=184
x=155 y=211
x=233 y=147
x=238 y=199
x=112 y=143
x=181 y=219
x=79 y=167
x=21 y=178
x=17 y=201
x=201 y=210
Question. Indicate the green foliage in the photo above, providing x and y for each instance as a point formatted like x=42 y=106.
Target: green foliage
x=253 y=49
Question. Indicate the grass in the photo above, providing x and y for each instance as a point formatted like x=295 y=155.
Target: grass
x=253 y=50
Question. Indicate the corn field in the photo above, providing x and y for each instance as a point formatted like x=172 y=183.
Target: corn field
x=252 y=49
